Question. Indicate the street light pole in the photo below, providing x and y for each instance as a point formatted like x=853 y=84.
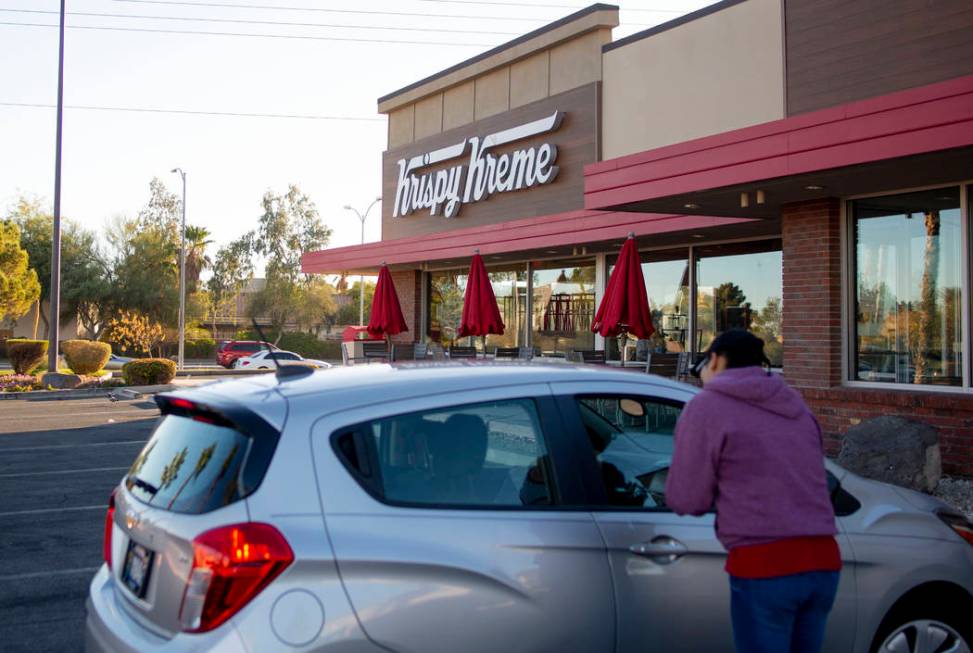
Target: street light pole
x=182 y=276
x=361 y=278
x=55 y=294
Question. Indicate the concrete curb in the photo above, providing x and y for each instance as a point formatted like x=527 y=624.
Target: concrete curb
x=132 y=392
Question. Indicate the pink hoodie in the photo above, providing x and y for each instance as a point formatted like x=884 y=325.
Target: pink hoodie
x=749 y=444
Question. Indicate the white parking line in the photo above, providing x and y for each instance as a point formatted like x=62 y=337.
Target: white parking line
x=43 y=574
x=65 y=471
x=148 y=412
x=71 y=446
x=43 y=511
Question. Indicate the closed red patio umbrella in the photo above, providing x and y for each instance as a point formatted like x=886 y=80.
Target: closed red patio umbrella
x=481 y=314
x=386 y=319
x=625 y=306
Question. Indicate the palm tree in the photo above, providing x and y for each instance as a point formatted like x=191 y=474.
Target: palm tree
x=197 y=240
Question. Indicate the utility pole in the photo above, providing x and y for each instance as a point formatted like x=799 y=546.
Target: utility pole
x=55 y=295
x=361 y=277
x=180 y=361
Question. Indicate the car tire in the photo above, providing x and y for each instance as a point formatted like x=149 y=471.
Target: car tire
x=945 y=629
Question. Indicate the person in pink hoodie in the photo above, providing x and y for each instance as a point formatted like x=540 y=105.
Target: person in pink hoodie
x=748 y=446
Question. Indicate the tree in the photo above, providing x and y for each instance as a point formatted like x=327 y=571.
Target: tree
x=927 y=317
x=317 y=305
x=197 y=240
x=19 y=287
x=86 y=284
x=289 y=227
x=134 y=332
x=146 y=271
x=232 y=270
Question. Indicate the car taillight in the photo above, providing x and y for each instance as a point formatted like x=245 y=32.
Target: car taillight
x=109 y=520
x=231 y=565
x=958 y=523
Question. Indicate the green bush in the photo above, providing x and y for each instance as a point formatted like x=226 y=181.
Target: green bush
x=85 y=356
x=149 y=371
x=201 y=348
x=25 y=354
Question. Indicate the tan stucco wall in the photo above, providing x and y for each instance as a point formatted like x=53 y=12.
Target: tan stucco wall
x=577 y=62
x=713 y=74
x=402 y=126
x=492 y=94
x=529 y=79
x=458 y=106
x=429 y=116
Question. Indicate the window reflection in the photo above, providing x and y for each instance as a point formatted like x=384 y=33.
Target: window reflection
x=666 y=275
x=908 y=288
x=446 y=293
x=739 y=286
x=563 y=306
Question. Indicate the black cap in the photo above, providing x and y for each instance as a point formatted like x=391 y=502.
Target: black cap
x=740 y=347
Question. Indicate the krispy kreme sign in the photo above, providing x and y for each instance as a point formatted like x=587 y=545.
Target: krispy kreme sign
x=480 y=173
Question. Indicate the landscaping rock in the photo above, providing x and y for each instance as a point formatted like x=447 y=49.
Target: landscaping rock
x=60 y=381
x=894 y=450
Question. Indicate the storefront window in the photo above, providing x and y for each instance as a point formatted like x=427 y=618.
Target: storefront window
x=446 y=293
x=563 y=306
x=666 y=276
x=739 y=286
x=908 y=288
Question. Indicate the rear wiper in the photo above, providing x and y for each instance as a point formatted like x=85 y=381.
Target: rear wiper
x=148 y=487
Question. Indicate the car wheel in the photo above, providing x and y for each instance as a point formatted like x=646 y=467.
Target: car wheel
x=920 y=635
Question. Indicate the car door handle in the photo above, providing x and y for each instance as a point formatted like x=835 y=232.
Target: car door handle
x=662 y=549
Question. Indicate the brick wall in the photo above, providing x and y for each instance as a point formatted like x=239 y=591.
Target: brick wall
x=811 y=233
x=408 y=286
x=812 y=293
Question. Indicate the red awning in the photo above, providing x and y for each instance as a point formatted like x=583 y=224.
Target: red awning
x=481 y=315
x=625 y=306
x=833 y=152
x=386 y=318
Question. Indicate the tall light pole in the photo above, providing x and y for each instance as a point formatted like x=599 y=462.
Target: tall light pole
x=361 y=278
x=55 y=294
x=182 y=276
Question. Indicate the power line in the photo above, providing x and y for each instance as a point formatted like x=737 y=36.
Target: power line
x=257 y=22
x=377 y=12
x=230 y=114
x=265 y=36
x=374 y=12
x=531 y=4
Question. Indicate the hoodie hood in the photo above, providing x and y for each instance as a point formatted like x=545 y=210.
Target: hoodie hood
x=754 y=386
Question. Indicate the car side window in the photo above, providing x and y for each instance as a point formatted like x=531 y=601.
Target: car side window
x=487 y=455
x=631 y=441
x=287 y=357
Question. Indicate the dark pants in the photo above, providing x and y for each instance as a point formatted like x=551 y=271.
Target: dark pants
x=782 y=615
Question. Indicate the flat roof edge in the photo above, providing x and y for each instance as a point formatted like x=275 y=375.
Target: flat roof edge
x=561 y=22
x=668 y=25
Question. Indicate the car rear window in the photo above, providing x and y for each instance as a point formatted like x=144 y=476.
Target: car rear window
x=189 y=466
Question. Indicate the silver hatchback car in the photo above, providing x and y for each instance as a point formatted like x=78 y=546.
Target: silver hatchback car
x=477 y=507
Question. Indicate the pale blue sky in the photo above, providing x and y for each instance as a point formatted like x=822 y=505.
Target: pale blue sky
x=110 y=156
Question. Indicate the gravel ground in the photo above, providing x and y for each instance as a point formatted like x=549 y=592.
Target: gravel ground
x=957 y=492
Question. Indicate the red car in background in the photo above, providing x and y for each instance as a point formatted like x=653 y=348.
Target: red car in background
x=231 y=350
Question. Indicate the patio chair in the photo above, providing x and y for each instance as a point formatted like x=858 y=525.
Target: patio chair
x=375 y=351
x=462 y=352
x=591 y=356
x=669 y=365
x=507 y=352
x=527 y=353
x=403 y=352
x=421 y=350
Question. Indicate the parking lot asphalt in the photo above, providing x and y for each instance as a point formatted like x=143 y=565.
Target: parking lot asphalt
x=59 y=461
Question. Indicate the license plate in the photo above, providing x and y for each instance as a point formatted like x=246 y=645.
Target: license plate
x=138 y=564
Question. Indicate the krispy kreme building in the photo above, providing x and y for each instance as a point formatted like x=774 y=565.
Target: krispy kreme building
x=800 y=168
